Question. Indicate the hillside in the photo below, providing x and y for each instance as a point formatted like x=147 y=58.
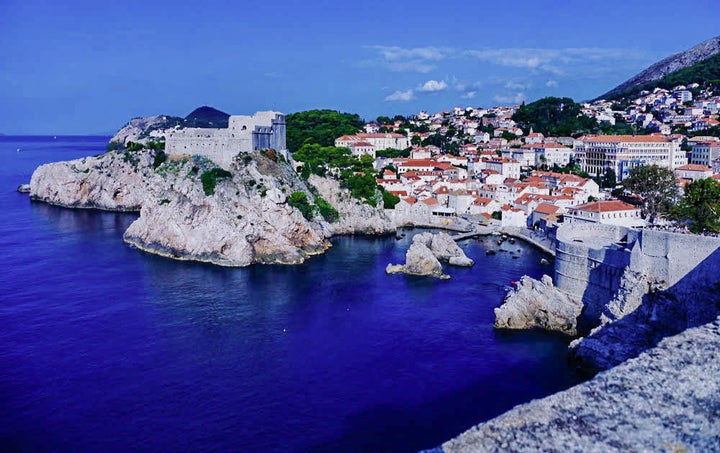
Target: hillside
x=693 y=65
x=554 y=116
x=206 y=117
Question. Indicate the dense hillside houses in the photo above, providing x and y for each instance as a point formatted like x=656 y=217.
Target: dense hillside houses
x=480 y=163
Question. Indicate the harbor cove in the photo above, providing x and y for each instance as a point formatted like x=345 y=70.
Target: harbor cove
x=108 y=348
x=345 y=227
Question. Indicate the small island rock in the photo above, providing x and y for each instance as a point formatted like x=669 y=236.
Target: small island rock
x=538 y=304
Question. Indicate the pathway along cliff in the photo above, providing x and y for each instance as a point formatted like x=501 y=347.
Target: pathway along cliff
x=190 y=209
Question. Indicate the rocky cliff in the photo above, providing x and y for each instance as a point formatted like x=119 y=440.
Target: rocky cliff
x=243 y=219
x=144 y=130
x=354 y=217
x=667 y=399
x=192 y=210
x=115 y=181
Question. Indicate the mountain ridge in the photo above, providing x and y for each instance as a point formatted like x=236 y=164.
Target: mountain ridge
x=665 y=67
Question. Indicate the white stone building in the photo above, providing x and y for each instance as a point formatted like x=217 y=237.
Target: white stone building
x=703 y=153
x=380 y=141
x=611 y=212
x=264 y=130
x=621 y=153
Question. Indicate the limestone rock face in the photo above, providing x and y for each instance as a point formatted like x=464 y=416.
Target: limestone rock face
x=115 y=181
x=446 y=249
x=245 y=220
x=666 y=399
x=419 y=259
x=354 y=217
x=143 y=130
x=538 y=304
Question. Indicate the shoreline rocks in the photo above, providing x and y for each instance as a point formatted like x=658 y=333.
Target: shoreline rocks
x=538 y=304
x=424 y=255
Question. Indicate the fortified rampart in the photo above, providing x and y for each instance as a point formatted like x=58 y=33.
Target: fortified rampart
x=591 y=260
x=244 y=134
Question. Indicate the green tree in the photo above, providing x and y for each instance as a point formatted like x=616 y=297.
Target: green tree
x=656 y=186
x=609 y=179
x=701 y=206
x=321 y=127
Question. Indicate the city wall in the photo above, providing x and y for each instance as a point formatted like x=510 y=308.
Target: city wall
x=591 y=260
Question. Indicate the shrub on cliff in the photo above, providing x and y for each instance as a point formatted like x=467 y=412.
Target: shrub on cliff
x=327 y=210
x=390 y=200
x=701 y=206
x=298 y=200
x=211 y=177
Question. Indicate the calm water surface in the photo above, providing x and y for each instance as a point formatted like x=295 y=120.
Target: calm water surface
x=105 y=348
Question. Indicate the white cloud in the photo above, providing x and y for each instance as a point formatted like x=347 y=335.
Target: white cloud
x=551 y=83
x=469 y=95
x=417 y=59
x=517 y=86
x=555 y=61
x=514 y=98
x=401 y=96
x=433 y=85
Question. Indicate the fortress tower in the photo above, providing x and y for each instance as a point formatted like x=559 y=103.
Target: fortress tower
x=244 y=134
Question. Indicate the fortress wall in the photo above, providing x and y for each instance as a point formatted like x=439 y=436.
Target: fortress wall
x=591 y=260
x=670 y=258
x=244 y=134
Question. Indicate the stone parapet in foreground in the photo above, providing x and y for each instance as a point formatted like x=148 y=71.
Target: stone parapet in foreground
x=666 y=399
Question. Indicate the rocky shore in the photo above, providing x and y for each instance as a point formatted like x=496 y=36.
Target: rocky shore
x=537 y=303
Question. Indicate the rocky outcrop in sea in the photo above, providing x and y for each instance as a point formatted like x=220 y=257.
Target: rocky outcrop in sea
x=538 y=303
x=114 y=181
x=425 y=253
x=667 y=399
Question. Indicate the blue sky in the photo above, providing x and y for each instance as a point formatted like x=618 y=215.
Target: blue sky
x=74 y=67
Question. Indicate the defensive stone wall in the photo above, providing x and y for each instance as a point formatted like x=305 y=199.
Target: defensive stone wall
x=592 y=258
x=244 y=134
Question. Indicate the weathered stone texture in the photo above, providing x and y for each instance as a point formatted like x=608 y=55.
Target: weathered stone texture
x=667 y=399
x=538 y=304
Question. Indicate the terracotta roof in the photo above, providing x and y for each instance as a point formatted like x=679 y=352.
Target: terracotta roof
x=605 y=206
x=430 y=201
x=693 y=167
x=546 y=208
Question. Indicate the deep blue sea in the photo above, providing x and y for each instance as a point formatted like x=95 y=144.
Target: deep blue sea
x=106 y=348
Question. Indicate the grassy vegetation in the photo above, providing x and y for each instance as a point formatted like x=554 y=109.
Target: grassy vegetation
x=357 y=175
x=705 y=72
x=328 y=212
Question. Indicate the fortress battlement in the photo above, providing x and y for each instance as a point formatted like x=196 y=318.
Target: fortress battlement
x=244 y=134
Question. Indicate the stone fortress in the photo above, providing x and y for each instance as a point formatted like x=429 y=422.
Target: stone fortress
x=244 y=134
x=595 y=262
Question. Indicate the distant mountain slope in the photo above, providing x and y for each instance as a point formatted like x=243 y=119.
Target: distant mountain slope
x=207 y=117
x=652 y=76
